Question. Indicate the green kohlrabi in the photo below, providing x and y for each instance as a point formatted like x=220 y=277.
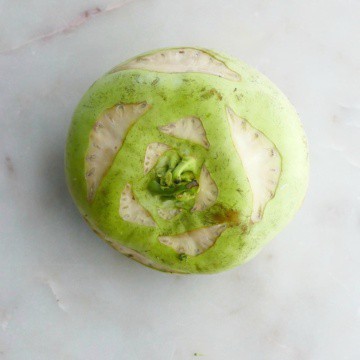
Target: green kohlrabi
x=186 y=160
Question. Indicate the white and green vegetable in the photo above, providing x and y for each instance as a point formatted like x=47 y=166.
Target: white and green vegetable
x=186 y=160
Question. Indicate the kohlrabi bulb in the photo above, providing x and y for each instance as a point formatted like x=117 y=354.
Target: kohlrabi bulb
x=186 y=160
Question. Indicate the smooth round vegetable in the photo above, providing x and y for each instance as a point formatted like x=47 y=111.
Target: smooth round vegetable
x=186 y=160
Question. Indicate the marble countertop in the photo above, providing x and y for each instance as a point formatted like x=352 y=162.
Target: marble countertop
x=64 y=294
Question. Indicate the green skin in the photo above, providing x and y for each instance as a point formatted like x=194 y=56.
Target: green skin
x=172 y=97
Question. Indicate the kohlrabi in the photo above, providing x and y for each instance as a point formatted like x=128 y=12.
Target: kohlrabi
x=186 y=160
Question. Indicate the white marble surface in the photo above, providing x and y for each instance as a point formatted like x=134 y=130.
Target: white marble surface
x=64 y=294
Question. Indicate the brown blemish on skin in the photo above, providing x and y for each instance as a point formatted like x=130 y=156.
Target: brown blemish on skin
x=245 y=229
x=228 y=216
x=210 y=93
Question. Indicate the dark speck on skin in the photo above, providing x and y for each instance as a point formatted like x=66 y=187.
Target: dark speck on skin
x=198 y=268
x=245 y=229
x=9 y=165
x=155 y=82
x=182 y=257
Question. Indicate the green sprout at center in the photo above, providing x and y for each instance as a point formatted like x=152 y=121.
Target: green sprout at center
x=175 y=178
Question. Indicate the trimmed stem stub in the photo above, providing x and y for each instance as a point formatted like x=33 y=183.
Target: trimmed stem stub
x=189 y=128
x=183 y=60
x=208 y=191
x=132 y=211
x=106 y=139
x=153 y=152
x=194 y=242
x=261 y=161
